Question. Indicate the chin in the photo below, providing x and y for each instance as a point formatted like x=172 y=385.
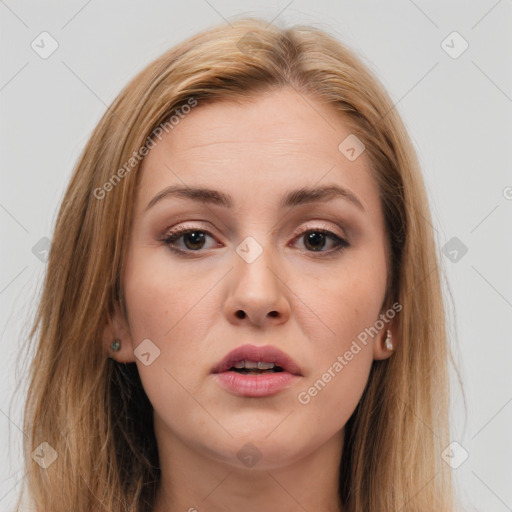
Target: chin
x=261 y=449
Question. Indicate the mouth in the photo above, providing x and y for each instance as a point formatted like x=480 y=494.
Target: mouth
x=253 y=371
x=254 y=360
x=253 y=368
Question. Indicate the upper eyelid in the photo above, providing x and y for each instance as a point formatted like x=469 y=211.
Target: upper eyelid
x=320 y=225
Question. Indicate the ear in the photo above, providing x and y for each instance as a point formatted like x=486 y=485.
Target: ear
x=117 y=328
x=380 y=351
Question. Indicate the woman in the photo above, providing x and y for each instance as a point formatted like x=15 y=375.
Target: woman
x=242 y=307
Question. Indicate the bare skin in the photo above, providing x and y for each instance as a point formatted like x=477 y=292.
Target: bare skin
x=301 y=296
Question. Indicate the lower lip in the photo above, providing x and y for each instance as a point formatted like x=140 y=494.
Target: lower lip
x=265 y=384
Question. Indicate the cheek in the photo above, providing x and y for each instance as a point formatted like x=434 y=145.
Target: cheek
x=159 y=295
x=337 y=321
x=172 y=309
x=339 y=372
x=335 y=306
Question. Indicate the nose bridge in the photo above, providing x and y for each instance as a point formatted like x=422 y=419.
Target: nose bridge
x=257 y=288
x=256 y=262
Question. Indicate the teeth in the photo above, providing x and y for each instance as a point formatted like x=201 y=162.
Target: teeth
x=252 y=365
x=265 y=366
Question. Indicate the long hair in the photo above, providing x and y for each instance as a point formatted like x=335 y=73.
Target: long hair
x=93 y=412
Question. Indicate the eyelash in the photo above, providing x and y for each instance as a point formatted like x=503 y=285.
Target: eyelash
x=175 y=235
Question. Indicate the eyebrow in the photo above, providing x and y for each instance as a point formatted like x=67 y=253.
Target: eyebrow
x=296 y=197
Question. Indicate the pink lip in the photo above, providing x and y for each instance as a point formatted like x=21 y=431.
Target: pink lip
x=257 y=385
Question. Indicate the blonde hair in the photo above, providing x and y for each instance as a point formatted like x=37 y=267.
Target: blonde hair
x=94 y=412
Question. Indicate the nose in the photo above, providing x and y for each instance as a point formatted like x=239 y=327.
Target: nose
x=258 y=292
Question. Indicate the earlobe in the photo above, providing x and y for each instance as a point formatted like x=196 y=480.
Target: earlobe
x=117 y=339
x=384 y=345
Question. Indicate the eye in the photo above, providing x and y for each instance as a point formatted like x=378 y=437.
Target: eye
x=193 y=238
x=315 y=240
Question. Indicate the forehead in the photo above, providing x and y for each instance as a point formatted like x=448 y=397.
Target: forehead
x=276 y=141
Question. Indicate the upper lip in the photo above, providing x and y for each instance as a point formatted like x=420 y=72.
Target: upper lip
x=266 y=354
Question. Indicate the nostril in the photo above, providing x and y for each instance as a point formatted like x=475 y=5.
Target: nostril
x=240 y=314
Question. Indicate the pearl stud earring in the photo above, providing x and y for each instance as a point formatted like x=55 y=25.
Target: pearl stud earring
x=388 y=343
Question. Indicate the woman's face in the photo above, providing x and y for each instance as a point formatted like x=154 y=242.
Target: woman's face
x=275 y=268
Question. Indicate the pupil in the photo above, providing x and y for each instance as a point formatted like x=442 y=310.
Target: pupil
x=315 y=238
x=196 y=237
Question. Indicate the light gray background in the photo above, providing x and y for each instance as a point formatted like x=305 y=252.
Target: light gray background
x=458 y=112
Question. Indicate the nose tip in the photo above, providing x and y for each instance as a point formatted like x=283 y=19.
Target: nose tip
x=258 y=292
